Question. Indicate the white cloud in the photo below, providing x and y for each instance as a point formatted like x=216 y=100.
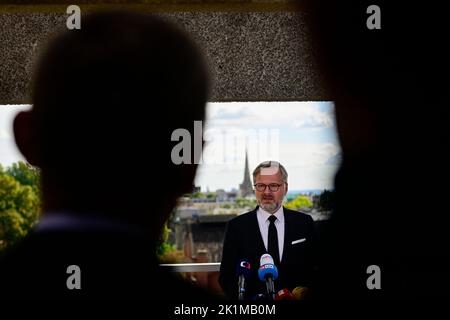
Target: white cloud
x=307 y=154
x=307 y=165
x=8 y=149
x=305 y=115
x=227 y=146
x=269 y=132
x=334 y=160
x=4 y=134
x=312 y=118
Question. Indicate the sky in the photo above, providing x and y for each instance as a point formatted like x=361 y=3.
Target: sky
x=300 y=135
x=8 y=149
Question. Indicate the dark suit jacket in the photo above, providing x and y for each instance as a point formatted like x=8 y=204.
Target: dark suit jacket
x=243 y=240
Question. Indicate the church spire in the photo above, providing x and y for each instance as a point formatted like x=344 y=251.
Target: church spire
x=246 y=188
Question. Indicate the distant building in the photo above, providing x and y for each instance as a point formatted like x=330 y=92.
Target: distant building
x=224 y=196
x=201 y=234
x=246 y=187
x=232 y=195
x=187 y=212
x=221 y=195
x=315 y=201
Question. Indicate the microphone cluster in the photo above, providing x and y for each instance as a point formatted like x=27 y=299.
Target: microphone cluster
x=267 y=273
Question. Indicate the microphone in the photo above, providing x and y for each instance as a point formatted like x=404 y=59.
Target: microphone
x=266 y=259
x=243 y=271
x=284 y=294
x=259 y=297
x=268 y=272
x=300 y=292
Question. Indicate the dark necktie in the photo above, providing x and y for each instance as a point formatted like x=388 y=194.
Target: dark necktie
x=272 y=246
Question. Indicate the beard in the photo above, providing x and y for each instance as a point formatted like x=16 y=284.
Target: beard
x=270 y=207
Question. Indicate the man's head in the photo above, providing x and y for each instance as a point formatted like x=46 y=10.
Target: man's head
x=270 y=182
x=106 y=100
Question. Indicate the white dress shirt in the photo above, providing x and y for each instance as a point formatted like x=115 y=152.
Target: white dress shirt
x=263 y=223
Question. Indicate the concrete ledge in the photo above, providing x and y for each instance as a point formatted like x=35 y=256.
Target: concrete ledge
x=254 y=56
x=168 y=6
x=192 y=267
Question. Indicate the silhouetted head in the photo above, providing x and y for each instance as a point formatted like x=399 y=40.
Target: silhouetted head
x=383 y=78
x=106 y=100
x=392 y=116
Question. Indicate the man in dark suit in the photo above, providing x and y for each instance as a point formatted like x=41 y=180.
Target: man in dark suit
x=289 y=239
x=106 y=100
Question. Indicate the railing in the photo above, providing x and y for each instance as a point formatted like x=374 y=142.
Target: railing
x=192 y=267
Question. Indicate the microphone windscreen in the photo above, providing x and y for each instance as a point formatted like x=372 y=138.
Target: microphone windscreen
x=266 y=259
x=259 y=297
x=243 y=268
x=284 y=294
x=299 y=293
x=267 y=270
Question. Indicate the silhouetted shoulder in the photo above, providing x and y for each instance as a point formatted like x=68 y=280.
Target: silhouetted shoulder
x=111 y=265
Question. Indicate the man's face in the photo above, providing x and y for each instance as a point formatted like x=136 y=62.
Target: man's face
x=268 y=200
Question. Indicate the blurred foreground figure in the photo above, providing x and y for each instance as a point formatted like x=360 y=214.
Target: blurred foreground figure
x=393 y=117
x=106 y=100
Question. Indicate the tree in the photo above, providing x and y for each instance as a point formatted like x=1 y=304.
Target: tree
x=25 y=174
x=211 y=195
x=299 y=202
x=164 y=247
x=198 y=195
x=20 y=203
x=326 y=200
x=165 y=251
x=245 y=203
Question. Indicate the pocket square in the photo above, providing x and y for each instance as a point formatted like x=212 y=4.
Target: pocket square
x=298 y=241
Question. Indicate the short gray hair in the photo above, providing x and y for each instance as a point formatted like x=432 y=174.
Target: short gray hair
x=270 y=164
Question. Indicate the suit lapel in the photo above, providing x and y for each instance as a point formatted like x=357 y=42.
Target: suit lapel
x=288 y=231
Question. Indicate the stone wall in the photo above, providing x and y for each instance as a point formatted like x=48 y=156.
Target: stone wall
x=254 y=56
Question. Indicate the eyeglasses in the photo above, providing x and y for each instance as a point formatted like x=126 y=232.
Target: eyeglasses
x=261 y=187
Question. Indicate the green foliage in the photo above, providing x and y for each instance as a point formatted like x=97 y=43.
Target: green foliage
x=198 y=195
x=166 y=252
x=163 y=249
x=326 y=200
x=163 y=246
x=25 y=174
x=20 y=203
x=245 y=203
x=211 y=195
x=299 y=202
